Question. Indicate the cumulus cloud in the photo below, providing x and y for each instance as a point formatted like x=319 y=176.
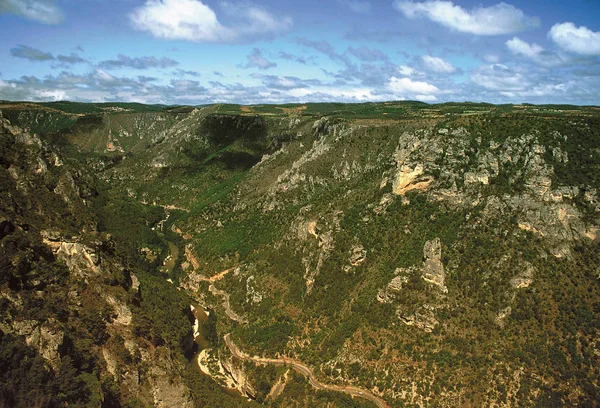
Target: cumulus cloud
x=286 y=82
x=369 y=74
x=32 y=54
x=192 y=20
x=492 y=83
x=183 y=72
x=257 y=60
x=500 y=18
x=403 y=86
x=333 y=94
x=327 y=49
x=291 y=57
x=518 y=46
x=187 y=86
x=286 y=55
x=491 y=58
x=70 y=59
x=534 y=52
x=579 y=40
x=405 y=70
x=124 y=61
x=43 y=11
x=499 y=77
x=357 y=6
x=367 y=54
x=436 y=64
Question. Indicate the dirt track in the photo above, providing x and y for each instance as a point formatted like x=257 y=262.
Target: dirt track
x=308 y=373
x=228 y=311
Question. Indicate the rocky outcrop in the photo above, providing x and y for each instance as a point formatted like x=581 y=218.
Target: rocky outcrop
x=81 y=260
x=393 y=289
x=474 y=178
x=45 y=337
x=502 y=315
x=239 y=377
x=253 y=295
x=123 y=315
x=310 y=231
x=358 y=255
x=433 y=269
x=408 y=179
x=311 y=228
x=168 y=390
x=525 y=278
x=224 y=371
x=423 y=318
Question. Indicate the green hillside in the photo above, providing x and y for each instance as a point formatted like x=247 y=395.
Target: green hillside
x=428 y=255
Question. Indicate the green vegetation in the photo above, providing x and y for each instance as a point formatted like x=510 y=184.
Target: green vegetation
x=314 y=235
x=87 y=108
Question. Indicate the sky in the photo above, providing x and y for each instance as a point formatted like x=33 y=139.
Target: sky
x=266 y=51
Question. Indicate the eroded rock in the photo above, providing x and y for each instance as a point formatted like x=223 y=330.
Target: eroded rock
x=423 y=318
x=409 y=178
x=433 y=269
x=357 y=255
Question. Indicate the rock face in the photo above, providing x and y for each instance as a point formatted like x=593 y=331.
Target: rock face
x=45 y=337
x=225 y=371
x=81 y=260
x=423 y=318
x=433 y=269
x=358 y=255
x=409 y=179
x=525 y=278
x=393 y=289
x=238 y=375
x=168 y=390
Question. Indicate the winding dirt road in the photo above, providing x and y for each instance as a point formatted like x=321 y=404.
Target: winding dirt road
x=228 y=311
x=307 y=372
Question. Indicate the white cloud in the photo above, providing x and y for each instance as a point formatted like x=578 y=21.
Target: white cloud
x=541 y=90
x=535 y=52
x=491 y=58
x=43 y=11
x=257 y=60
x=579 y=40
x=192 y=20
x=253 y=21
x=518 y=46
x=328 y=94
x=180 y=20
x=500 y=18
x=286 y=82
x=426 y=98
x=124 y=61
x=438 y=65
x=405 y=70
x=52 y=95
x=498 y=77
x=401 y=86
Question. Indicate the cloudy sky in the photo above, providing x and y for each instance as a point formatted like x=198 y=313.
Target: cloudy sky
x=267 y=51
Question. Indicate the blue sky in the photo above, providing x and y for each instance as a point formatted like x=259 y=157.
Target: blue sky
x=252 y=52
